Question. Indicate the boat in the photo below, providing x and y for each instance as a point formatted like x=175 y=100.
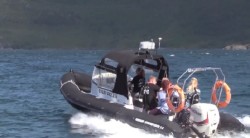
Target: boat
x=108 y=91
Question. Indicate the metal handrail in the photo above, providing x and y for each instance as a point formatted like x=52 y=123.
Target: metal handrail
x=191 y=71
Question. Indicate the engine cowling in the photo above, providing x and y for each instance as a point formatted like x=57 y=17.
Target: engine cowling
x=205 y=118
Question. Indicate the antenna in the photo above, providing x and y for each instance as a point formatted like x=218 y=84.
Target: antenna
x=159 y=42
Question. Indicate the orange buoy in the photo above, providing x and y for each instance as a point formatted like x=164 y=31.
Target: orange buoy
x=219 y=84
x=181 y=105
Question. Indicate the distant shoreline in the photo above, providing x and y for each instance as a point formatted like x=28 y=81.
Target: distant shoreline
x=104 y=49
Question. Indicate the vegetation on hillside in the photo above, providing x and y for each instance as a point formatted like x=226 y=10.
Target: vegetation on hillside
x=123 y=23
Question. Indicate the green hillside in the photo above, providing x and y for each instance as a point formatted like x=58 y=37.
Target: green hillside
x=123 y=23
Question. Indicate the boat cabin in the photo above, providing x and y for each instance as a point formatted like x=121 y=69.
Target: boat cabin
x=111 y=77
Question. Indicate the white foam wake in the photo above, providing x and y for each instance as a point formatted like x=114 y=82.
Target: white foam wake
x=245 y=120
x=98 y=126
x=85 y=124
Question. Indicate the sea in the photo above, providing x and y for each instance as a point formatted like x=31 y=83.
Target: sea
x=31 y=105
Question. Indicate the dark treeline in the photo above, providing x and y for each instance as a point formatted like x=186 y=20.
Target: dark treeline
x=102 y=24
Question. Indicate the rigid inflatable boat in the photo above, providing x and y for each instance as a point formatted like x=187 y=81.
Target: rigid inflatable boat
x=108 y=91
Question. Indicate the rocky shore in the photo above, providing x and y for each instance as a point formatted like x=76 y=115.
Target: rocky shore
x=237 y=47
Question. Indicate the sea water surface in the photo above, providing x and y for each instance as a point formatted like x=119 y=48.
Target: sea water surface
x=31 y=104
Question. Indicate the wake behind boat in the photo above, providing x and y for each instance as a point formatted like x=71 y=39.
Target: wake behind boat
x=109 y=91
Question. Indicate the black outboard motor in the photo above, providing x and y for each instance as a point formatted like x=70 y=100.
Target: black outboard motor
x=182 y=118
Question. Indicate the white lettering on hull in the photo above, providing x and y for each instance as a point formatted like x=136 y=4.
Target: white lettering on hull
x=148 y=123
x=108 y=93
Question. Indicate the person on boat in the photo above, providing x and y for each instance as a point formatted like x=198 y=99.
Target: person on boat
x=150 y=92
x=193 y=85
x=193 y=92
x=162 y=107
x=138 y=81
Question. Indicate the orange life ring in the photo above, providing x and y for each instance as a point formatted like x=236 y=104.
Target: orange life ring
x=181 y=105
x=221 y=104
